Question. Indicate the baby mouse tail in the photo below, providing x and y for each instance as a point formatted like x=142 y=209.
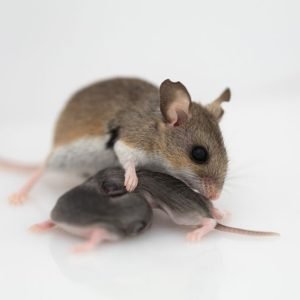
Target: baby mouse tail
x=15 y=166
x=225 y=228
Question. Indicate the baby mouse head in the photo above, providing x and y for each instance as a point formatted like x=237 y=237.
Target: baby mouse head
x=193 y=140
x=110 y=181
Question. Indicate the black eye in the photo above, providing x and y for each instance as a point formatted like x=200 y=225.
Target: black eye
x=199 y=154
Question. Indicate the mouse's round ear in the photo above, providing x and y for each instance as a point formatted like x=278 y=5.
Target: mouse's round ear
x=175 y=102
x=215 y=107
x=136 y=227
x=113 y=189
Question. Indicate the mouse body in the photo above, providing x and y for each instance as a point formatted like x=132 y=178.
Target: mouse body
x=98 y=213
x=132 y=123
x=102 y=209
x=183 y=205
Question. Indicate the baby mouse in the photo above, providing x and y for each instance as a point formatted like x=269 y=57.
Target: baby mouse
x=132 y=123
x=99 y=213
x=183 y=205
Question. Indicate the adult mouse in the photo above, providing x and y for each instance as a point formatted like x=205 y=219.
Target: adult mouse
x=133 y=123
x=99 y=213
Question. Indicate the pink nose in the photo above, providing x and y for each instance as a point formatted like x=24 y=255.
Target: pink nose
x=213 y=196
x=211 y=191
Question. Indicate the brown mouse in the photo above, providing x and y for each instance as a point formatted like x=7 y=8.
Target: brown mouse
x=132 y=123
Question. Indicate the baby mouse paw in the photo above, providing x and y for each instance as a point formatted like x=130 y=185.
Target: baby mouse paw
x=220 y=214
x=131 y=180
x=208 y=225
x=41 y=227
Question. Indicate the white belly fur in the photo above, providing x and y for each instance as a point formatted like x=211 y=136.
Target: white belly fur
x=84 y=157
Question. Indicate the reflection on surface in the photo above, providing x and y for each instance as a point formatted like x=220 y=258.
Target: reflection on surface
x=145 y=267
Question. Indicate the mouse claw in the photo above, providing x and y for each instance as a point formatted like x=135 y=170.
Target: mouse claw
x=17 y=198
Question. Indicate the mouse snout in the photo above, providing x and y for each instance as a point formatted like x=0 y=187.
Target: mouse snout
x=211 y=189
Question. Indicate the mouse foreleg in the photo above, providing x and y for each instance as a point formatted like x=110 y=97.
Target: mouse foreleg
x=127 y=159
x=43 y=226
x=131 y=179
x=207 y=226
x=20 y=196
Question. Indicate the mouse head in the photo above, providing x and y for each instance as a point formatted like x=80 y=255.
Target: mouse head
x=193 y=140
x=122 y=213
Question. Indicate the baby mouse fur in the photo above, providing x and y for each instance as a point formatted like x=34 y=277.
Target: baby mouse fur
x=99 y=213
x=101 y=208
x=183 y=205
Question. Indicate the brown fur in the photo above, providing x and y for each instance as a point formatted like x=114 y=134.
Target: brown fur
x=90 y=110
x=133 y=105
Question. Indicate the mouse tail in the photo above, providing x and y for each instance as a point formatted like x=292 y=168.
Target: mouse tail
x=16 y=166
x=225 y=228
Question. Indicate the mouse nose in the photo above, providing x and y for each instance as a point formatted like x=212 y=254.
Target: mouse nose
x=213 y=196
x=211 y=191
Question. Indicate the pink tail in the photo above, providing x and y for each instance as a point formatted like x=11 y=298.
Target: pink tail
x=15 y=166
x=222 y=227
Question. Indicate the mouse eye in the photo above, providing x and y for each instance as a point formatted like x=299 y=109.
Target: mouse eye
x=199 y=154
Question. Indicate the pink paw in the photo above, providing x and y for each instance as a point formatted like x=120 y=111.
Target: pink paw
x=17 y=198
x=131 y=180
x=82 y=248
x=41 y=227
x=220 y=214
x=194 y=236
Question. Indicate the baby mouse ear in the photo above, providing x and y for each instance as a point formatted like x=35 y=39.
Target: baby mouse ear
x=215 y=107
x=175 y=102
x=112 y=189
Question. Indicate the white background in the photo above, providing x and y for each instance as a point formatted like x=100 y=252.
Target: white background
x=51 y=48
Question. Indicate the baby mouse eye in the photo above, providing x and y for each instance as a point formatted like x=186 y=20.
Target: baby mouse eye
x=199 y=154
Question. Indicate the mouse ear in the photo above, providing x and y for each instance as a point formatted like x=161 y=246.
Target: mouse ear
x=215 y=107
x=113 y=189
x=175 y=102
x=136 y=227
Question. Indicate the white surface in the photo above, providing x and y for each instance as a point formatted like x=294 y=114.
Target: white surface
x=50 y=48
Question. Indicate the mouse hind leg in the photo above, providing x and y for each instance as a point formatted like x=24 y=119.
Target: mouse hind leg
x=97 y=236
x=22 y=194
x=82 y=157
x=16 y=166
x=208 y=225
x=42 y=227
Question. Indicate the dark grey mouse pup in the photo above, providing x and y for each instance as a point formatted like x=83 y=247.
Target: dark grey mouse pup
x=99 y=212
x=182 y=204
